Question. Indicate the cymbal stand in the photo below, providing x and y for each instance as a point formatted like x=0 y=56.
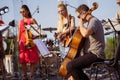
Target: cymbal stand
x=37 y=10
x=43 y=68
x=70 y=6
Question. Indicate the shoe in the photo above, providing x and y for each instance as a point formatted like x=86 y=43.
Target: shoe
x=25 y=77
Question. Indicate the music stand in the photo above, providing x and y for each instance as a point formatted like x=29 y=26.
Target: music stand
x=112 y=26
x=34 y=29
x=117 y=51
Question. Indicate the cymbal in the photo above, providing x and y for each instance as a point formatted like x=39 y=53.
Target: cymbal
x=49 y=29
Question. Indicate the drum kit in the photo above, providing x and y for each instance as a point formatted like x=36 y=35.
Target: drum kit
x=50 y=64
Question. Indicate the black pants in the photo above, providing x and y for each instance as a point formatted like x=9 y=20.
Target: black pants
x=75 y=67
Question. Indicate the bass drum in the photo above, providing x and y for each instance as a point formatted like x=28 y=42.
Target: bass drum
x=50 y=64
x=4 y=45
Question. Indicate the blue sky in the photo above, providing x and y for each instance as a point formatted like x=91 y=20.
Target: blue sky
x=48 y=15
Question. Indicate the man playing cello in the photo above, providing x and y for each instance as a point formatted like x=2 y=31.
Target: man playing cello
x=94 y=44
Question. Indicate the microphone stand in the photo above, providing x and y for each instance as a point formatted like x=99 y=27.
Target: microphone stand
x=37 y=10
x=71 y=6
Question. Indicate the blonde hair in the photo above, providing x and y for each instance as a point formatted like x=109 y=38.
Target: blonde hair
x=60 y=20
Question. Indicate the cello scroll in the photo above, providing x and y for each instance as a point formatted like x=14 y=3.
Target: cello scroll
x=95 y=6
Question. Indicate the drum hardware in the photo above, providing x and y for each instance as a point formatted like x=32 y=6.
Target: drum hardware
x=49 y=29
x=49 y=43
x=49 y=64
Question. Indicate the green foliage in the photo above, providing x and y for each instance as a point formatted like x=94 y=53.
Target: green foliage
x=110 y=47
x=12 y=49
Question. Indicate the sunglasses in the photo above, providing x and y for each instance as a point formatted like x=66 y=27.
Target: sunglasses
x=80 y=13
x=22 y=11
x=118 y=2
x=78 y=16
x=61 y=11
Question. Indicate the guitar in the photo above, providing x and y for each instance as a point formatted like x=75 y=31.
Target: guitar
x=75 y=47
x=64 y=40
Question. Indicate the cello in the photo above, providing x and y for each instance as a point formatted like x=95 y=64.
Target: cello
x=75 y=46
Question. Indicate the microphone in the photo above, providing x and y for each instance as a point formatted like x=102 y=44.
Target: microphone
x=38 y=9
x=66 y=3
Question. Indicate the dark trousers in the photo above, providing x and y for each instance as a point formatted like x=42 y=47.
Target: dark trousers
x=76 y=66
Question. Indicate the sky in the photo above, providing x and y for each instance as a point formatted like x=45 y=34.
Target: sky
x=47 y=14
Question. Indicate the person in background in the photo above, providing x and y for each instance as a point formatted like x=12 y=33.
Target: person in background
x=118 y=43
x=2 y=54
x=118 y=17
x=93 y=49
x=28 y=51
x=1 y=22
x=118 y=11
x=65 y=28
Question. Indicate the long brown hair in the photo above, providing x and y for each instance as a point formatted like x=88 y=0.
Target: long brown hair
x=27 y=9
